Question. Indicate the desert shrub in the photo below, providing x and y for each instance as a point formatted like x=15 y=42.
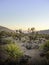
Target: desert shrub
x=28 y=46
x=6 y=41
x=10 y=53
x=47 y=55
x=45 y=51
x=45 y=46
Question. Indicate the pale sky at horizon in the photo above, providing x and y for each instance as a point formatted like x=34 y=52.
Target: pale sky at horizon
x=24 y=14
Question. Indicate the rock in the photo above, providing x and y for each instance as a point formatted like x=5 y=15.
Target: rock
x=24 y=60
x=29 y=46
x=42 y=53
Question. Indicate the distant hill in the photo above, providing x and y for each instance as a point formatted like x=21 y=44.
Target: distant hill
x=2 y=28
x=40 y=32
x=5 y=29
x=43 y=32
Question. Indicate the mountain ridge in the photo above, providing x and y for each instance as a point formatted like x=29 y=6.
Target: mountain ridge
x=2 y=28
x=44 y=31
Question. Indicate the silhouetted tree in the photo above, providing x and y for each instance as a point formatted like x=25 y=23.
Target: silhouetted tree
x=32 y=29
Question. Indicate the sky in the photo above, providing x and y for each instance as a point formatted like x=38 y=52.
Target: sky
x=24 y=14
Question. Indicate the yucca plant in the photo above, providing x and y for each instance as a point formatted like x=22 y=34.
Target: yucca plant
x=45 y=50
x=10 y=52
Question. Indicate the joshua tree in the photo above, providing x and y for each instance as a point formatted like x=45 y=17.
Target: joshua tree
x=16 y=31
x=32 y=29
x=20 y=30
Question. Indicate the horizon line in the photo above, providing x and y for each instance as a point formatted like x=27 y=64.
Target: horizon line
x=25 y=29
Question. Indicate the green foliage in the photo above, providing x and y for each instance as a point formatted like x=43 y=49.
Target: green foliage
x=2 y=33
x=45 y=46
x=6 y=34
x=11 y=52
x=6 y=41
x=47 y=55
